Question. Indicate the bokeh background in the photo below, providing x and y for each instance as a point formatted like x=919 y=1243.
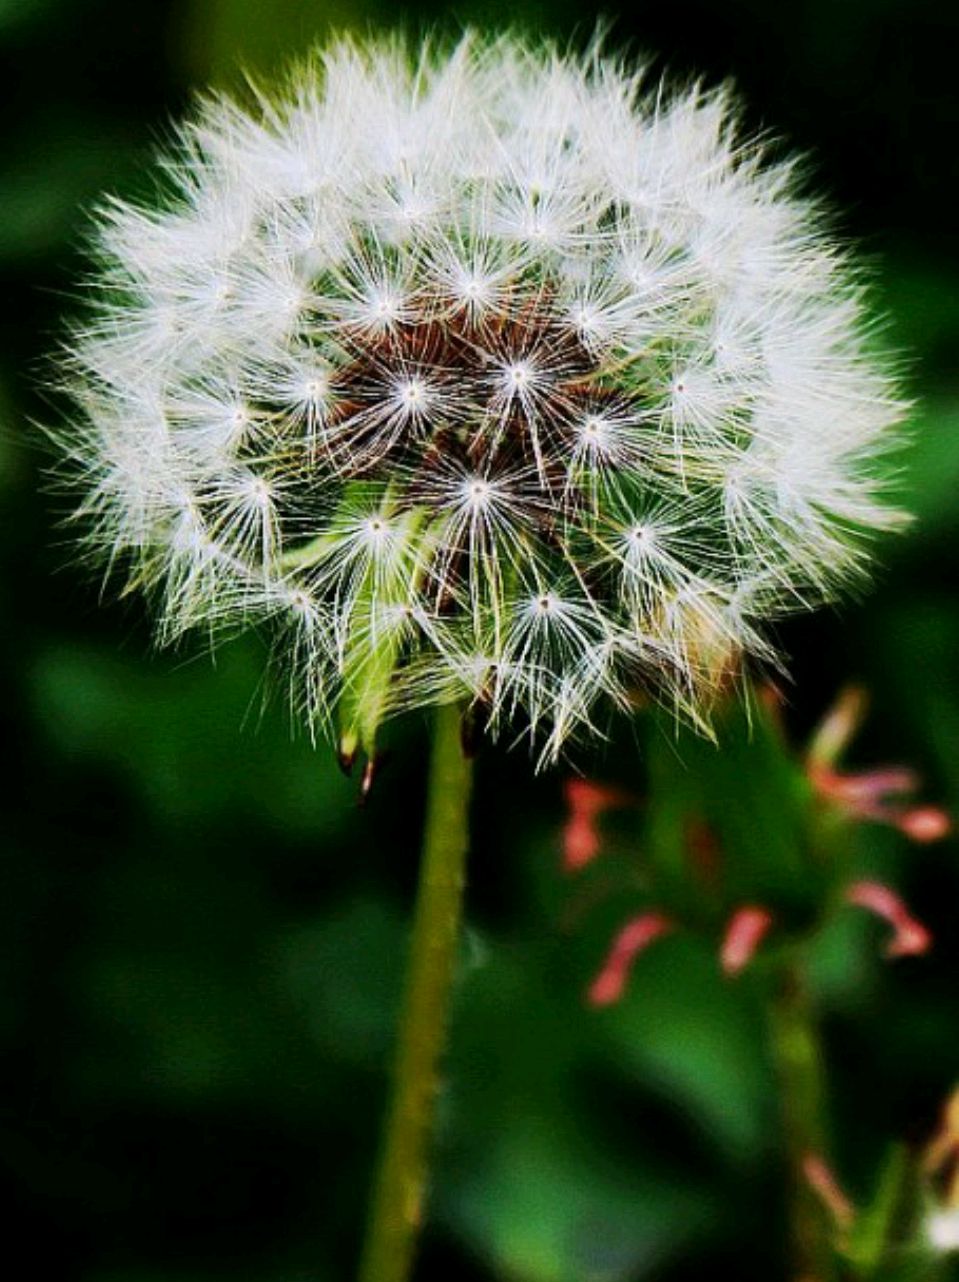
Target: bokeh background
x=200 y=929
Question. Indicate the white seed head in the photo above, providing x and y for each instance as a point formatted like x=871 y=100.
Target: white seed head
x=489 y=374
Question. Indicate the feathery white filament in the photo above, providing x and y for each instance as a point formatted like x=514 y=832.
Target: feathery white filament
x=490 y=375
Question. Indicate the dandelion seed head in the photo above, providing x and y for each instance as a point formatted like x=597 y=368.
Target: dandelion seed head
x=492 y=373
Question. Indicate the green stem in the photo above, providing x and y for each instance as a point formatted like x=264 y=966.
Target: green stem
x=798 y=1060
x=396 y=1210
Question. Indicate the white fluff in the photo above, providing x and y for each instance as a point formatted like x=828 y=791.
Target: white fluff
x=487 y=374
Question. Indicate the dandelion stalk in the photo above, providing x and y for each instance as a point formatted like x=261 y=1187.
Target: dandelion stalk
x=396 y=1210
x=800 y=1070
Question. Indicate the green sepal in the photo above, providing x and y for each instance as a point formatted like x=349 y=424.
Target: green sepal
x=374 y=645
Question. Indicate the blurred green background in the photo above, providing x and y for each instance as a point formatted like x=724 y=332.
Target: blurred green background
x=201 y=930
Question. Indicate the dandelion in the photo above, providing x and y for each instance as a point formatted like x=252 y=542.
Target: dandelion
x=583 y=347
x=495 y=379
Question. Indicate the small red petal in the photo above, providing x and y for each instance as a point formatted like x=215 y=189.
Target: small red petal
x=635 y=936
x=589 y=798
x=586 y=802
x=822 y=1180
x=580 y=843
x=925 y=824
x=910 y=937
x=863 y=793
x=869 y=787
x=746 y=930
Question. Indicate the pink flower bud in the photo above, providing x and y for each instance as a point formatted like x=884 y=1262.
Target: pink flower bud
x=746 y=930
x=635 y=936
x=925 y=824
x=910 y=936
x=822 y=1180
x=586 y=801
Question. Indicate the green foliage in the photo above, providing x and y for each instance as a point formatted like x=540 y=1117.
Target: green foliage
x=202 y=935
x=222 y=39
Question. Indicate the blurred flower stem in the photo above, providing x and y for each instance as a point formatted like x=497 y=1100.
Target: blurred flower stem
x=396 y=1209
x=798 y=1061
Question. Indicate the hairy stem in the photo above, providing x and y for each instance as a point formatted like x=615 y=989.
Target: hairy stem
x=396 y=1210
x=798 y=1059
